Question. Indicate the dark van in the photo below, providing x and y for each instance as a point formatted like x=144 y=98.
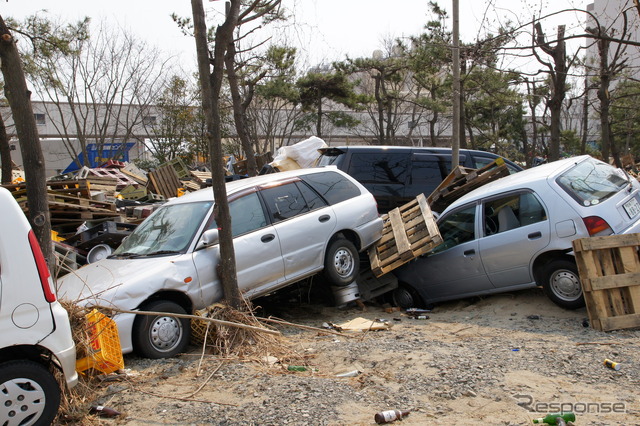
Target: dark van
x=395 y=175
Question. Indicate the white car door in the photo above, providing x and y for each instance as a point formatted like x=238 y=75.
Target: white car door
x=303 y=223
x=259 y=263
x=516 y=227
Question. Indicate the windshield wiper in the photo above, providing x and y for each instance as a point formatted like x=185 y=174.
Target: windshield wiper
x=126 y=255
x=153 y=253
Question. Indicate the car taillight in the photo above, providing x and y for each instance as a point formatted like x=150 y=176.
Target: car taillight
x=597 y=225
x=43 y=269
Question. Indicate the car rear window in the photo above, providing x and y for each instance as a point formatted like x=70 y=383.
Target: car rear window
x=333 y=186
x=591 y=181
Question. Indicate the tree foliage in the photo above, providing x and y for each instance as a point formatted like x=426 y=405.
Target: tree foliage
x=318 y=87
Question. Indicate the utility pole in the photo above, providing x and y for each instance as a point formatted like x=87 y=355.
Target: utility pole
x=455 y=135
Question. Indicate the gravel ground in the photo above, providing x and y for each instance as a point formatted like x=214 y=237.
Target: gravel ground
x=500 y=360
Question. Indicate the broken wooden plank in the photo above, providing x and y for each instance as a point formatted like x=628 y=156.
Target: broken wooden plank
x=461 y=181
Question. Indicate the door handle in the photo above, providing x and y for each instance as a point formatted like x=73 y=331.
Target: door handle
x=324 y=218
x=534 y=235
x=469 y=252
x=267 y=238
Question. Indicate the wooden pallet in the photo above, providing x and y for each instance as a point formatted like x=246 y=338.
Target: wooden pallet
x=200 y=177
x=609 y=269
x=110 y=175
x=462 y=180
x=409 y=231
x=164 y=181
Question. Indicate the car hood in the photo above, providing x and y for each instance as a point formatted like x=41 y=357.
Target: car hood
x=124 y=283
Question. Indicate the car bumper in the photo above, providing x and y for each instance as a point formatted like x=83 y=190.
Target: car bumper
x=125 y=329
x=370 y=232
x=61 y=344
x=633 y=229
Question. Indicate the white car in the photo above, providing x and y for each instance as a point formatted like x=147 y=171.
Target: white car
x=35 y=334
x=517 y=233
x=286 y=226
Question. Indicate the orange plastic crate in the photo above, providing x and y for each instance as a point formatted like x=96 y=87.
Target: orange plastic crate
x=106 y=353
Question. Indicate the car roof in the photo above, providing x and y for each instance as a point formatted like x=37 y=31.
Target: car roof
x=365 y=148
x=544 y=172
x=206 y=194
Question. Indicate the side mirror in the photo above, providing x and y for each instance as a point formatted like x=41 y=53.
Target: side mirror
x=209 y=238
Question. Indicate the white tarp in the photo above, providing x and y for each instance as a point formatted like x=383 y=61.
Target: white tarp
x=300 y=155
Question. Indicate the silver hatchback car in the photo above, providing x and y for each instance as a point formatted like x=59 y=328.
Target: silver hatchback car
x=286 y=226
x=516 y=233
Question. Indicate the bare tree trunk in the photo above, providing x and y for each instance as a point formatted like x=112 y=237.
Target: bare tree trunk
x=19 y=97
x=463 y=138
x=239 y=114
x=472 y=138
x=434 y=118
x=585 y=117
x=558 y=73
x=211 y=85
x=379 y=103
x=319 y=118
x=5 y=154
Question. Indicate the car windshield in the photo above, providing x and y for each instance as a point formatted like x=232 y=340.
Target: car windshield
x=169 y=230
x=591 y=182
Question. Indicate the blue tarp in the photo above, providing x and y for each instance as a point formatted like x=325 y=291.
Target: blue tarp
x=109 y=151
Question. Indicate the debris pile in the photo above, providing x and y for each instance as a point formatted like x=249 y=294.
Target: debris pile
x=92 y=210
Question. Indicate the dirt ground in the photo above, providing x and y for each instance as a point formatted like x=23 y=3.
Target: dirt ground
x=505 y=359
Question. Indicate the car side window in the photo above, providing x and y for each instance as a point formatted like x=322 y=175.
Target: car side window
x=333 y=186
x=379 y=168
x=313 y=200
x=457 y=228
x=511 y=212
x=284 y=202
x=246 y=214
x=485 y=161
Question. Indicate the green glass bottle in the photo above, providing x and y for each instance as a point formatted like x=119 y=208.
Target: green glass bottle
x=296 y=368
x=550 y=419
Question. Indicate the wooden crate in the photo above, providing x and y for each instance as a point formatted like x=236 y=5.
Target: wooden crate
x=409 y=231
x=462 y=180
x=609 y=269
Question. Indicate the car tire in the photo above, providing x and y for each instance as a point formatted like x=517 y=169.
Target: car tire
x=161 y=336
x=561 y=284
x=405 y=297
x=29 y=393
x=341 y=262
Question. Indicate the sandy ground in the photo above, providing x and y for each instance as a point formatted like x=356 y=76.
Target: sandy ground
x=504 y=359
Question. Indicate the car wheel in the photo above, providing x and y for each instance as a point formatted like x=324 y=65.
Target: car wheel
x=341 y=263
x=29 y=393
x=562 y=284
x=405 y=297
x=161 y=336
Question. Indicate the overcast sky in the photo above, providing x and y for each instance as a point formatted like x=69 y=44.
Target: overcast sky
x=325 y=30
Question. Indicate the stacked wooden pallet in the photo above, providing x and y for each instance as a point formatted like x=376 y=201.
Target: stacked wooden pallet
x=609 y=269
x=409 y=231
x=462 y=180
